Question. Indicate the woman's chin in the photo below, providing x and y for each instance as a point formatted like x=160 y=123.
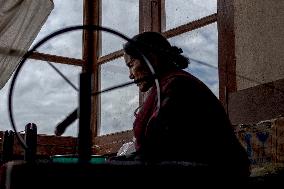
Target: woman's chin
x=143 y=87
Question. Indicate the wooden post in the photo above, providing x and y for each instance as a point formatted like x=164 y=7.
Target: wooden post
x=91 y=53
x=226 y=50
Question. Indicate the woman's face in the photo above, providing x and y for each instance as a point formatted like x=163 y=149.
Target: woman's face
x=138 y=70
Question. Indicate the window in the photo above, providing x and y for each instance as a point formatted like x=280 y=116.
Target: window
x=68 y=44
x=117 y=106
x=46 y=99
x=122 y=16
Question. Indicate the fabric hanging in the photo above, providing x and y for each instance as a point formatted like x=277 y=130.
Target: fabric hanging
x=20 y=22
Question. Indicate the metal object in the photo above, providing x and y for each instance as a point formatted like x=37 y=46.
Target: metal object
x=8 y=143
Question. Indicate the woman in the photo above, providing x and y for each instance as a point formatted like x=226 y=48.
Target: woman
x=191 y=124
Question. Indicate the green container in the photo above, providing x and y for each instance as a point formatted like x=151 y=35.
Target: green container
x=95 y=159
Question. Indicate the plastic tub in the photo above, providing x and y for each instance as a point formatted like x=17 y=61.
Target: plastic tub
x=70 y=158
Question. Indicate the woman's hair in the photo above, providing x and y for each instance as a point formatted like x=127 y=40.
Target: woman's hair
x=153 y=42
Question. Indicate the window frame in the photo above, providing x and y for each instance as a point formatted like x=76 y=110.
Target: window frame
x=151 y=18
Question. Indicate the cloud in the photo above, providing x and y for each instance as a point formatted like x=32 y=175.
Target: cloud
x=118 y=105
x=40 y=98
x=121 y=16
x=65 y=13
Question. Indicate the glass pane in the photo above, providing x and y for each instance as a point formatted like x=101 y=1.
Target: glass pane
x=117 y=106
x=201 y=47
x=179 y=12
x=65 y=13
x=42 y=97
x=120 y=15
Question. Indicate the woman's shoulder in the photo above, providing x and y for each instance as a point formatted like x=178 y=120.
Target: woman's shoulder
x=182 y=78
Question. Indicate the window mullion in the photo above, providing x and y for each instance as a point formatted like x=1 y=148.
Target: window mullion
x=91 y=52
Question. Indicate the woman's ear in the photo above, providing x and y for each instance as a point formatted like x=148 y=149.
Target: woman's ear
x=154 y=60
x=126 y=58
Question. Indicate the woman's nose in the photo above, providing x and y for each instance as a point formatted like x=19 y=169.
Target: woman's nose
x=131 y=76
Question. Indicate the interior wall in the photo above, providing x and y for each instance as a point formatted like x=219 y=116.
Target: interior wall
x=259 y=39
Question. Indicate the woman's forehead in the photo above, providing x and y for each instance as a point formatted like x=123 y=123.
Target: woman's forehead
x=127 y=57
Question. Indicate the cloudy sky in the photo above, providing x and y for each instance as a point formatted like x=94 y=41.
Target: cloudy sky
x=41 y=96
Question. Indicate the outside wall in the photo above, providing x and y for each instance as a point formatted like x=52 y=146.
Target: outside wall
x=258 y=55
x=259 y=39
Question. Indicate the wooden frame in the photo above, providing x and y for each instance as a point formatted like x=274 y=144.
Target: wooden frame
x=91 y=52
x=56 y=59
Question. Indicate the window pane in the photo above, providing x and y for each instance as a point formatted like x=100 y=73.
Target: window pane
x=42 y=97
x=117 y=106
x=65 y=13
x=201 y=47
x=179 y=12
x=120 y=15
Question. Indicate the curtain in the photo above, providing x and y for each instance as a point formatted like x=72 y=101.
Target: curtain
x=20 y=22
